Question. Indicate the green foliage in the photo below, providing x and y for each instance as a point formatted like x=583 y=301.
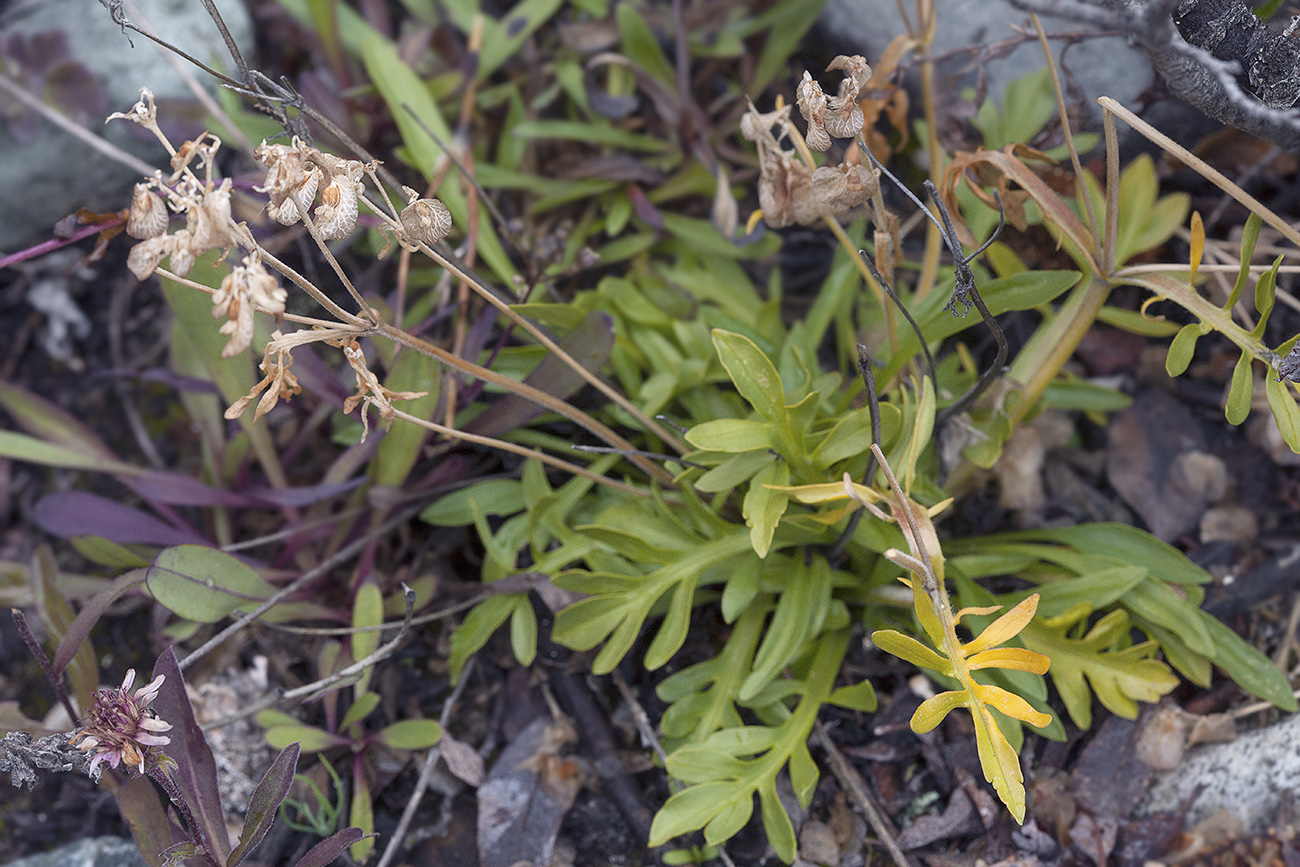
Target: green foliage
x=323 y=819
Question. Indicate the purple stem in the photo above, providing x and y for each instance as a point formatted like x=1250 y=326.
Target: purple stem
x=44 y=661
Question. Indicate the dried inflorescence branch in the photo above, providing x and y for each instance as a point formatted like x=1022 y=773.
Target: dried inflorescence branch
x=278 y=383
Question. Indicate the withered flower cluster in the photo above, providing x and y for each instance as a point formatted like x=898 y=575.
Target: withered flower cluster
x=123 y=730
x=246 y=288
x=296 y=171
x=206 y=204
x=789 y=191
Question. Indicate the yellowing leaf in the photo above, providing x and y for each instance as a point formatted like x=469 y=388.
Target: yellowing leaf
x=1014 y=658
x=935 y=708
x=1011 y=704
x=1198 y=245
x=1005 y=627
x=907 y=648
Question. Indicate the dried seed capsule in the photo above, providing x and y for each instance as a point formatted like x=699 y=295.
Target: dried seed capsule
x=426 y=221
x=148 y=216
x=336 y=216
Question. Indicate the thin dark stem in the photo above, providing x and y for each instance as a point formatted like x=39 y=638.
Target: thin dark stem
x=987 y=377
x=38 y=652
x=341 y=556
x=972 y=296
x=169 y=786
x=965 y=291
x=231 y=45
x=893 y=296
x=120 y=19
x=836 y=552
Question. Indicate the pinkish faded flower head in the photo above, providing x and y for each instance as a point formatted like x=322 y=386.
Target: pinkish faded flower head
x=122 y=728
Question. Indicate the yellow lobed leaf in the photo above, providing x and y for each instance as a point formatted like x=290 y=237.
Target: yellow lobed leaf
x=976 y=611
x=907 y=648
x=1011 y=704
x=935 y=708
x=1005 y=627
x=1014 y=658
x=1000 y=763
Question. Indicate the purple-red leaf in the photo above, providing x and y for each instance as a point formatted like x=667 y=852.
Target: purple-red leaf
x=196 y=771
x=78 y=513
x=137 y=801
x=303 y=496
x=178 y=490
x=330 y=848
x=268 y=795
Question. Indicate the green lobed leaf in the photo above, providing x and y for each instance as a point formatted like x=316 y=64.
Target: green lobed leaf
x=754 y=376
x=732 y=435
x=1255 y=672
x=1249 y=236
x=478 y=626
x=309 y=738
x=365 y=703
x=362 y=814
x=764 y=506
x=367 y=610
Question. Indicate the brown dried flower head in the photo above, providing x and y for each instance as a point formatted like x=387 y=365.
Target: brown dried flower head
x=296 y=171
x=370 y=390
x=144 y=112
x=424 y=221
x=289 y=176
x=279 y=383
x=246 y=288
x=812 y=105
x=122 y=728
x=148 y=216
x=208 y=220
x=146 y=256
x=336 y=216
x=837 y=116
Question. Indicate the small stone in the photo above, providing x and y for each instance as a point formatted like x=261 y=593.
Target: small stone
x=1229 y=524
x=817 y=843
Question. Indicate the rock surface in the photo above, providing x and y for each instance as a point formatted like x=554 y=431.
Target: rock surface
x=1105 y=66
x=88 y=852
x=1246 y=776
x=54 y=174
